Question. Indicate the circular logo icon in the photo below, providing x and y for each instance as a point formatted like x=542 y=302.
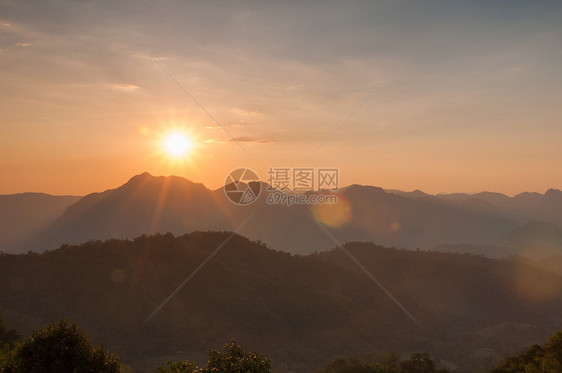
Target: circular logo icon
x=242 y=186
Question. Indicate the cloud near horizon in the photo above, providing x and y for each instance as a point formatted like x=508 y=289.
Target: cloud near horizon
x=480 y=94
x=239 y=139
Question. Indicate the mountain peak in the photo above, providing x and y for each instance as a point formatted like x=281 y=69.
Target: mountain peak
x=364 y=188
x=146 y=177
x=143 y=176
x=553 y=192
x=139 y=178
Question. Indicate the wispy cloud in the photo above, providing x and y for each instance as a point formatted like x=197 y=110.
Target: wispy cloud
x=5 y=24
x=246 y=113
x=266 y=74
x=247 y=139
x=239 y=124
x=124 y=87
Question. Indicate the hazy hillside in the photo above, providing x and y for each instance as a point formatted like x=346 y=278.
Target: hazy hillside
x=490 y=251
x=302 y=311
x=23 y=215
x=534 y=233
x=148 y=204
x=393 y=220
x=145 y=204
x=522 y=207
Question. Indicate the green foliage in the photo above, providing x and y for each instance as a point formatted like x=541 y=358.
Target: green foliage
x=266 y=291
x=536 y=359
x=60 y=347
x=179 y=367
x=8 y=337
x=417 y=363
x=354 y=365
x=233 y=359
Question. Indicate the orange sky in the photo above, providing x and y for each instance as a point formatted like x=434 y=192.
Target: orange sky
x=475 y=106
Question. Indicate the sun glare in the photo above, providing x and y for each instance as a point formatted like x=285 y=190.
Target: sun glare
x=177 y=144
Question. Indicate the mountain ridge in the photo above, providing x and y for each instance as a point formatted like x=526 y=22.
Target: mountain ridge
x=301 y=310
x=150 y=204
x=23 y=214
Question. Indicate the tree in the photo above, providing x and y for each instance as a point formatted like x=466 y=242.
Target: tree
x=552 y=361
x=418 y=363
x=179 y=367
x=386 y=364
x=536 y=359
x=8 y=337
x=233 y=359
x=60 y=347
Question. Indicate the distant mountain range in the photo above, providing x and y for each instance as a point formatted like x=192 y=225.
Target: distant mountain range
x=522 y=207
x=23 y=215
x=148 y=204
x=303 y=311
x=534 y=239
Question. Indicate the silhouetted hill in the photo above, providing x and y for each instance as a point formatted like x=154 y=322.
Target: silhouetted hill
x=522 y=207
x=414 y=194
x=390 y=219
x=302 y=311
x=148 y=204
x=145 y=204
x=23 y=215
x=490 y=251
x=491 y=197
x=552 y=263
x=540 y=238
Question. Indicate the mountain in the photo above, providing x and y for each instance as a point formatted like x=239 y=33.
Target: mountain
x=394 y=220
x=414 y=194
x=145 y=204
x=552 y=263
x=23 y=215
x=148 y=204
x=534 y=238
x=522 y=207
x=491 y=197
x=535 y=206
x=302 y=311
x=490 y=250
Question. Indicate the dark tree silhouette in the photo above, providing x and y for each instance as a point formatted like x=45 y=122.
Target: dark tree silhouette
x=536 y=359
x=417 y=363
x=8 y=337
x=60 y=347
x=232 y=359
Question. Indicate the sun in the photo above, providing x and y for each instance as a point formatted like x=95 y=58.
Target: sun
x=177 y=144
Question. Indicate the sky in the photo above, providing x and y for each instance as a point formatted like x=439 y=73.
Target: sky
x=442 y=96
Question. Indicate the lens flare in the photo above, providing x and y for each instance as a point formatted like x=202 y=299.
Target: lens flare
x=333 y=215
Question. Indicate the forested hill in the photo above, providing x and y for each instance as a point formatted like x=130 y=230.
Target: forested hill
x=302 y=311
